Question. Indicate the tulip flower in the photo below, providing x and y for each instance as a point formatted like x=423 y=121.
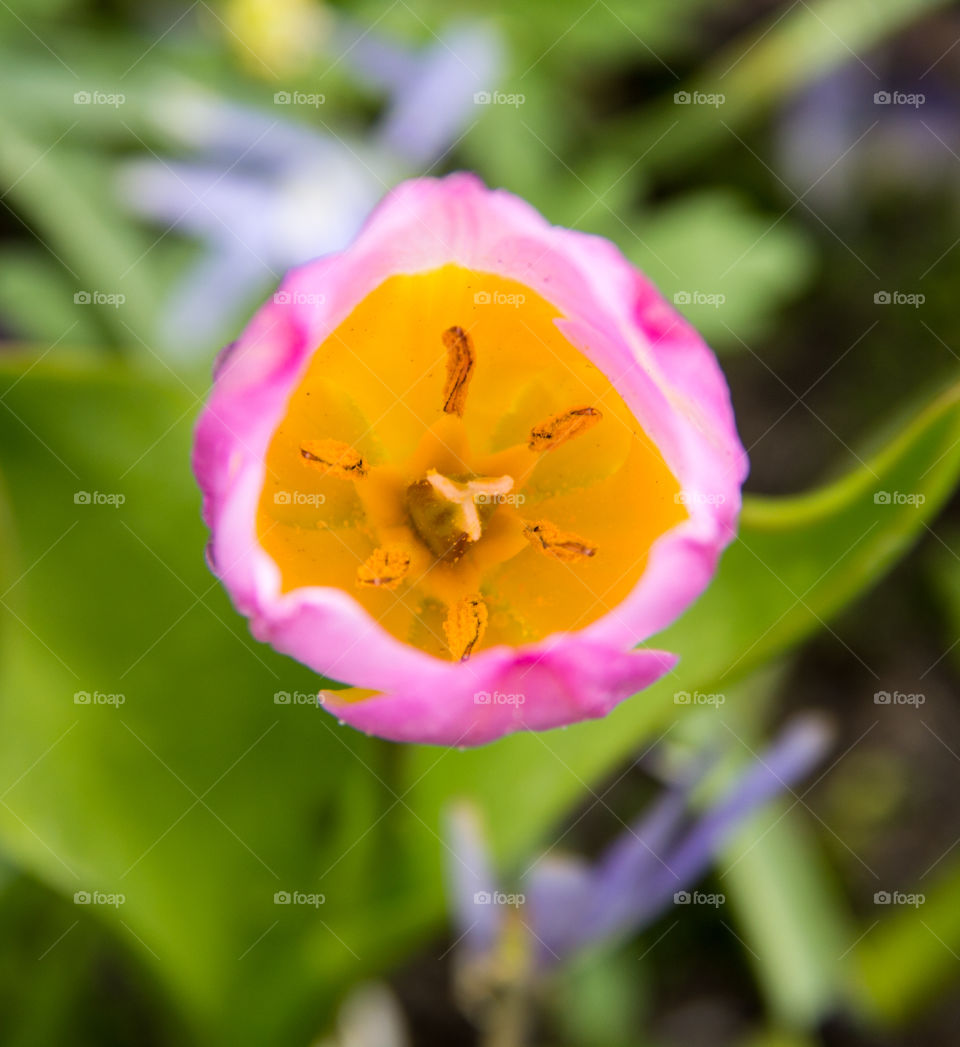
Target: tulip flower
x=465 y=466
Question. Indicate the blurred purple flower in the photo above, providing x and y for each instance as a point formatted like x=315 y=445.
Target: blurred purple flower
x=852 y=133
x=566 y=905
x=264 y=193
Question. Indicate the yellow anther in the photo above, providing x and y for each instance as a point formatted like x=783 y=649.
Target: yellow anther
x=460 y=361
x=563 y=545
x=560 y=428
x=335 y=458
x=465 y=625
x=384 y=568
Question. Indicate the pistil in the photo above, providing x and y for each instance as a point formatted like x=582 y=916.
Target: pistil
x=448 y=514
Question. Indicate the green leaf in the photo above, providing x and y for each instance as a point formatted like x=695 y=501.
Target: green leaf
x=796 y=563
x=756 y=72
x=789 y=914
x=64 y=199
x=36 y=298
x=914 y=952
x=198 y=797
x=61 y=969
x=725 y=266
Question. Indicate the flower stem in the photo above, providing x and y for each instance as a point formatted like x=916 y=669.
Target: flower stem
x=508 y=1020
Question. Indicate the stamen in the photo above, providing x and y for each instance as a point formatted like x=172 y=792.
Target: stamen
x=460 y=361
x=465 y=625
x=564 y=545
x=560 y=428
x=334 y=457
x=384 y=568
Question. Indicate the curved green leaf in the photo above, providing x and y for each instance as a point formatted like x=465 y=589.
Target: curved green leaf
x=199 y=798
x=796 y=562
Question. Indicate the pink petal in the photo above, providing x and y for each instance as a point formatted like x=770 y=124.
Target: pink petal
x=559 y=682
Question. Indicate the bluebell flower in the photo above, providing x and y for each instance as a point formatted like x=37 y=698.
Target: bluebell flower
x=263 y=193
x=565 y=906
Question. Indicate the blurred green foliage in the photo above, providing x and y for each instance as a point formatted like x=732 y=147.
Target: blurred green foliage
x=199 y=798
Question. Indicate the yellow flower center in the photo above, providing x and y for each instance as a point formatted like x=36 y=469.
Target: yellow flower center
x=461 y=469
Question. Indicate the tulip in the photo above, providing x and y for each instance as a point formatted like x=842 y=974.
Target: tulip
x=465 y=466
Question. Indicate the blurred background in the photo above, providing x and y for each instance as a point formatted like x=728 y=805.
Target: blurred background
x=190 y=852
